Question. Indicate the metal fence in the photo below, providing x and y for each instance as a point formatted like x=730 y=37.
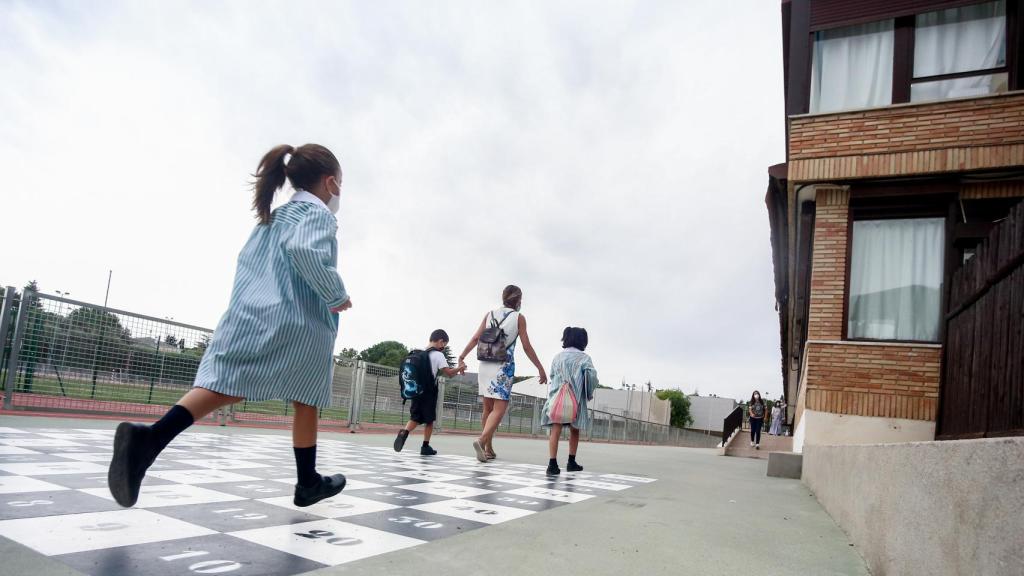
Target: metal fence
x=65 y=355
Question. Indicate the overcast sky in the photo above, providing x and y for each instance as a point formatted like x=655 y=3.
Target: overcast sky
x=608 y=157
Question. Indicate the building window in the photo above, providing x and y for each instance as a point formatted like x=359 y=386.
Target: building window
x=896 y=271
x=960 y=52
x=852 y=67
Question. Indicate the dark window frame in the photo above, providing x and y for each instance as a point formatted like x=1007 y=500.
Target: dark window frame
x=800 y=24
x=932 y=200
x=903 y=79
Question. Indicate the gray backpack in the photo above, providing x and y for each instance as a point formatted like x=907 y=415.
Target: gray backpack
x=493 y=345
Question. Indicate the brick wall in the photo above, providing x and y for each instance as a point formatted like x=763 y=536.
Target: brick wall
x=885 y=380
x=828 y=265
x=950 y=136
x=979 y=121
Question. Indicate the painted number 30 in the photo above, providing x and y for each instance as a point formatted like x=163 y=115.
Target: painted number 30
x=417 y=522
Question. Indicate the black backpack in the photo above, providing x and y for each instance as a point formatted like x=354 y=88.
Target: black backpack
x=492 y=346
x=414 y=377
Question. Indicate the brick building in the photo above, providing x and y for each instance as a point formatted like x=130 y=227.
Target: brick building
x=905 y=144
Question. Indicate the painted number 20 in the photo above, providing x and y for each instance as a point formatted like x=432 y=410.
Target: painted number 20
x=330 y=537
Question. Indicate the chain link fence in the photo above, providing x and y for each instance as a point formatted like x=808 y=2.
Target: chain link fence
x=64 y=355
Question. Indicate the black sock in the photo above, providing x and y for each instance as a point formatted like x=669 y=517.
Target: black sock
x=177 y=419
x=553 y=462
x=572 y=458
x=305 y=464
x=425 y=443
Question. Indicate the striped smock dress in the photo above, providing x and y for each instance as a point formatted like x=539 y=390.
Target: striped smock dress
x=577 y=369
x=276 y=339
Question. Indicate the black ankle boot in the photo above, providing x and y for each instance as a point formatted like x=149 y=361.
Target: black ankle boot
x=327 y=487
x=133 y=454
x=403 y=434
x=553 y=469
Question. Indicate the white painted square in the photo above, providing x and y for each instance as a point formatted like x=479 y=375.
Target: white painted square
x=475 y=511
x=75 y=436
x=52 y=535
x=38 y=442
x=414 y=465
x=517 y=480
x=384 y=479
x=223 y=463
x=344 y=470
x=87 y=456
x=201 y=476
x=330 y=542
x=447 y=490
x=12 y=450
x=18 y=484
x=529 y=466
x=50 y=468
x=621 y=477
x=550 y=494
x=350 y=484
x=597 y=484
x=232 y=455
x=170 y=495
x=426 y=475
x=338 y=506
x=99 y=431
x=5 y=430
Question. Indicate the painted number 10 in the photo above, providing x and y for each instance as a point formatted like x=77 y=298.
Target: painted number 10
x=204 y=566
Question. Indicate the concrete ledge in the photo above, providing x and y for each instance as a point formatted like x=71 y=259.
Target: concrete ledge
x=938 y=508
x=785 y=465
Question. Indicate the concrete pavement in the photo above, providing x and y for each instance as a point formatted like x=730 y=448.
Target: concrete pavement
x=706 y=514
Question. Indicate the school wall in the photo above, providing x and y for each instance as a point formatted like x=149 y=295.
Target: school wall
x=937 y=508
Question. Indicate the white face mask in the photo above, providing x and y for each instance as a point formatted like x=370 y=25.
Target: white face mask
x=334 y=204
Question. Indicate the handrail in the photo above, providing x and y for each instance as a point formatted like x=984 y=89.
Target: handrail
x=731 y=422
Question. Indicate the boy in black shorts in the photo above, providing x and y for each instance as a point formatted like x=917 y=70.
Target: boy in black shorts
x=424 y=407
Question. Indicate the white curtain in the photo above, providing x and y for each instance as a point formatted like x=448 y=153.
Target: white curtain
x=960 y=40
x=852 y=67
x=896 y=279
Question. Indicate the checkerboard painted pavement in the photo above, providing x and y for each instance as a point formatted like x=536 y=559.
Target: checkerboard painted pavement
x=221 y=504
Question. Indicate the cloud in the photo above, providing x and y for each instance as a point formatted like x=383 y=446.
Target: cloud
x=611 y=162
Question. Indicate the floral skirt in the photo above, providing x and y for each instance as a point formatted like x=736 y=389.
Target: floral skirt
x=495 y=379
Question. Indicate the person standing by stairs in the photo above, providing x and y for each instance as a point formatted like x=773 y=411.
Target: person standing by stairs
x=756 y=410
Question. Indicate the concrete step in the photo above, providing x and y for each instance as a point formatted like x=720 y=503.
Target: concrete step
x=740 y=446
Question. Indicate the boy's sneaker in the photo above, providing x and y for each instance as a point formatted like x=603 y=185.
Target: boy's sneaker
x=400 y=440
x=553 y=469
x=574 y=467
x=327 y=486
x=757 y=446
x=426 y=450
x=131 y=459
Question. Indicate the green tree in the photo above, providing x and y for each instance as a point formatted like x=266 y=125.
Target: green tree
x=449 y=356
x=680 y=407
x=387 y=353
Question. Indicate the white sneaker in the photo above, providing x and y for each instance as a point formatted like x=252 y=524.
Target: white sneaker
x=757 y=446
x=751 y=443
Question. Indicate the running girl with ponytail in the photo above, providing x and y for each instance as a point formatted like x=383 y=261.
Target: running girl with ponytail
x=276 y=339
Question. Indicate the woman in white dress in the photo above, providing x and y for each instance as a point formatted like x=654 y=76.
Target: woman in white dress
x=496 y=378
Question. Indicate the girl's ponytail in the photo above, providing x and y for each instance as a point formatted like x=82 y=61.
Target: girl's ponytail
x=270 y=176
